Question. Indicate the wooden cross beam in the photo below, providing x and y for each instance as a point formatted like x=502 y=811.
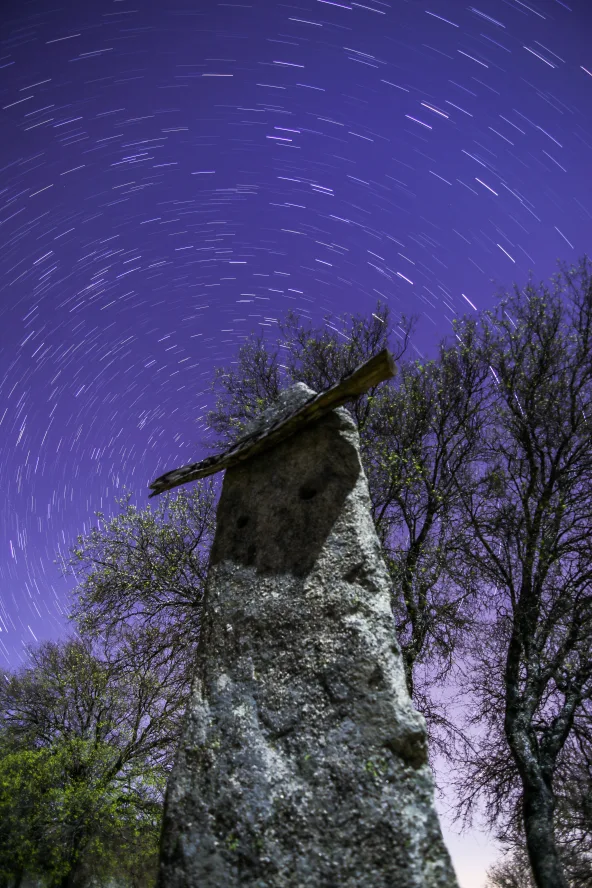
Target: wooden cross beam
x=377 y=369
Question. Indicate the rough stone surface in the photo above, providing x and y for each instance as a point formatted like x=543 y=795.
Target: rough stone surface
x=302 y=760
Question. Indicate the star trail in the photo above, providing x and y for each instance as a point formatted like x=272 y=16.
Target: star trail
x=174 y=176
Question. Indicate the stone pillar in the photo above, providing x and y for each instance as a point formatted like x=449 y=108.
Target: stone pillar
x=302 y=761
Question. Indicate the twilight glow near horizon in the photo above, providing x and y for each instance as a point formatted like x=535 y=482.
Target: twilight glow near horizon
x=176 y=175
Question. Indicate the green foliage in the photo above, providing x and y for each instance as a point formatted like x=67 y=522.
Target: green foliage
x=26 y=777
x=84 y=754
x=58 y=815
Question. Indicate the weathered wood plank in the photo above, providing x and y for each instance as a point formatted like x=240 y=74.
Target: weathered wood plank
x=378 y=369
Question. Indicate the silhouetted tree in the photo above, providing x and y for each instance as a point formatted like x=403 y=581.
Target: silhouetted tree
x=572 y=787
x=512 y=871
x=530 y=673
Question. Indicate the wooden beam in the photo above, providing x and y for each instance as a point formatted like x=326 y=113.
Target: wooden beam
x=378 y=369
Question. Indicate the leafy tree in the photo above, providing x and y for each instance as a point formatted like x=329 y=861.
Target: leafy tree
x=85 y=748
x=146 y=568
x=26 y=776
x=58 y=822
x=530 y=510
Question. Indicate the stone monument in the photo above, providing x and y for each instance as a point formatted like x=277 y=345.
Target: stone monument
x=302 y=761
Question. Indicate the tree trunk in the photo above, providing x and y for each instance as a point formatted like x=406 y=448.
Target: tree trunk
x=537 y=810
x=70 y=879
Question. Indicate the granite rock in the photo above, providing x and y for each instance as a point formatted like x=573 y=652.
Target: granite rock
x=302 y=760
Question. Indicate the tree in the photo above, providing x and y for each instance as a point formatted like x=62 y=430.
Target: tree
x=421 y=442
x=572 y=823
x=315 y=357
x=26 y=777
x=414 y=436
x=513 y=871
x=58 y=823
x=573 y=789
x=85 y=748
x=531 y=515
x=146 y=569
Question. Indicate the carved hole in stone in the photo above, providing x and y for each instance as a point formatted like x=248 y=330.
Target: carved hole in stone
x=307 y=491
x=242 y=521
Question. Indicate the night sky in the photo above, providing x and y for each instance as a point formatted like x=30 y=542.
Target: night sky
x=176 y=175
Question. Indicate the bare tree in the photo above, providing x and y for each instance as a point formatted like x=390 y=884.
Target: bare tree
x=530 y=673
x=572 y=787
x=421 y=444
x=512 y=871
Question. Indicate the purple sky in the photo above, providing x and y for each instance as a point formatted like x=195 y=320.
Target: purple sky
x=171 y=179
